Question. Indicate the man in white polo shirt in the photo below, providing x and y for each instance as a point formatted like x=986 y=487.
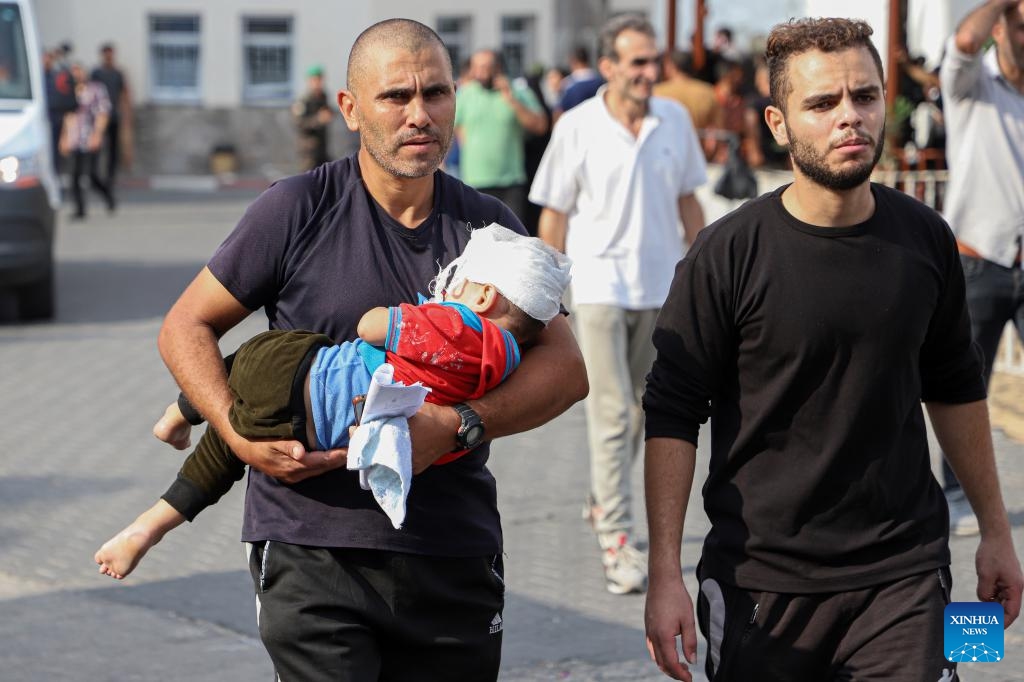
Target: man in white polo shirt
x=983 y=95
x=617 y=177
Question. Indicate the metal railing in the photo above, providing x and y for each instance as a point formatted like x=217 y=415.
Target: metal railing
x=929 y=186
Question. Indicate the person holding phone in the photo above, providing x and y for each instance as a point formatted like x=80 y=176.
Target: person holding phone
x=492 y=119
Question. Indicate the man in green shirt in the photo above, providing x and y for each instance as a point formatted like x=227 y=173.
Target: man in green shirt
x=492 y=117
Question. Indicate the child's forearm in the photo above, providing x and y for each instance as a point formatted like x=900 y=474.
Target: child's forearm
x=159 y=519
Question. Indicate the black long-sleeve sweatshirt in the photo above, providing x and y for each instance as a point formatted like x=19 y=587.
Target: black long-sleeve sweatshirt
x=811 y=350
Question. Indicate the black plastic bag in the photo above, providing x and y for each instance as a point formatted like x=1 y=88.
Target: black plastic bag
x=737 y=180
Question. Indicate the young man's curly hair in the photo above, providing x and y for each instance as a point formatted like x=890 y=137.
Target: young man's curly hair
x=802 y=35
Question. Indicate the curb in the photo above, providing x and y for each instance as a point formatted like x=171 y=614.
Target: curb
x=196 y=183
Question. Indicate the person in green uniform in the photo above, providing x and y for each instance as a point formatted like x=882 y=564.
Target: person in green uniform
x=312 y=118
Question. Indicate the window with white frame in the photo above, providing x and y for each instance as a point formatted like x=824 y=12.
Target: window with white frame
x=517 y=39
x=455 y=33
x=174 y=57
x=267 y=59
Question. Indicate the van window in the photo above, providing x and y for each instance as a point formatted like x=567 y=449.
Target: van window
x=14 y=75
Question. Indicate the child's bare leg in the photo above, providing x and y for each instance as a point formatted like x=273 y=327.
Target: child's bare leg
x=121 y=554
x=173 y=429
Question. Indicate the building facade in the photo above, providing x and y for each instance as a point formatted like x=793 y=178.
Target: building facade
x=209 y=76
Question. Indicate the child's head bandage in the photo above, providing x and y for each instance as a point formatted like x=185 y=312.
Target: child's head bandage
x=526 y=271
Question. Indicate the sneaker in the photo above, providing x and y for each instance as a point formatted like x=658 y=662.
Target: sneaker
x=962 y=520
x=625 y=566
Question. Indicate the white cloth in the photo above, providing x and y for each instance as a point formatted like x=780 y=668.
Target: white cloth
x=621 y=195
x=526 y=271
x=381 y=449
x=985 y=150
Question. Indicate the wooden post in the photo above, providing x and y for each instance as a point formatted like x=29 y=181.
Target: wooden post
x=670 y=31
x=699 y=58
x=892 y=80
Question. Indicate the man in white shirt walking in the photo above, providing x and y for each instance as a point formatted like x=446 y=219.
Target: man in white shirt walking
x=616 y=180
x=984 y=108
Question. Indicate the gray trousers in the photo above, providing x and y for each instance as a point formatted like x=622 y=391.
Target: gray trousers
x=617 y=348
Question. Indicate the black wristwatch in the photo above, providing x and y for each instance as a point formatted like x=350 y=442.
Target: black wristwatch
x=471 y=431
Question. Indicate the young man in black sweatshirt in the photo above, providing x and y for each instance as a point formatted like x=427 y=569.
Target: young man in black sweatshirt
x=809 y=325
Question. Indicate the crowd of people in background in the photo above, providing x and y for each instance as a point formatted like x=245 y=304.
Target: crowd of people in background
x=725 y=94
x=90 y=115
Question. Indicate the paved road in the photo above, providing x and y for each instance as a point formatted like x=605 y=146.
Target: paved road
x=79 y=396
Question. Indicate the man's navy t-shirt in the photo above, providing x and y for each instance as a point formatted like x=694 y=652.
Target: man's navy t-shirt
x=316 y=252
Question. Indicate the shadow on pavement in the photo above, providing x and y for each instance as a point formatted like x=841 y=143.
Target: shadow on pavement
x=224 y=599
x=73 y=635
x=99 y=292
x=20 y=490
x=536 y=632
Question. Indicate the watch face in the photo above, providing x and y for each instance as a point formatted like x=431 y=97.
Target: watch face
x=474 y=434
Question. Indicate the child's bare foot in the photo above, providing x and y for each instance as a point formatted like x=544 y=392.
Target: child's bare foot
x=173 y=429
x=121 y=554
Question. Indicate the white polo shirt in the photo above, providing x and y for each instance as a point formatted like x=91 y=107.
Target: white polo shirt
x=985 y=150
x=620 y=193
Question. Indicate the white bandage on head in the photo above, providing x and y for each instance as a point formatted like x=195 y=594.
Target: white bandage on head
x=526 y=271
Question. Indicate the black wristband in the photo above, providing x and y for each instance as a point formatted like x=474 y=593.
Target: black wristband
x=190 y=413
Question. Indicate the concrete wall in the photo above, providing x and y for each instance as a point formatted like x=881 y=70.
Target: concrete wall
x=179 y=140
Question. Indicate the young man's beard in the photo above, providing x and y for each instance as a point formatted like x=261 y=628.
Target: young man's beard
x=814 y=166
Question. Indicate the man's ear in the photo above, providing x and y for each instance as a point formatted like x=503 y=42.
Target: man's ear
x=347 y=105
x=776 y=121
x=605 y=66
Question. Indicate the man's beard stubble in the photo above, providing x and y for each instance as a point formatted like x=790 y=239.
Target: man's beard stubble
x=389 y=159
x=814 y=166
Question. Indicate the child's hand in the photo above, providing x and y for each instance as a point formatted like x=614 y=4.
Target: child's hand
x=173 y=429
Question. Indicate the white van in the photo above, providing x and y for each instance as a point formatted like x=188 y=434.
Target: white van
x=29 y=190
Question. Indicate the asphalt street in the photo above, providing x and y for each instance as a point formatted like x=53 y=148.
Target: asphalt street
x=79 y=396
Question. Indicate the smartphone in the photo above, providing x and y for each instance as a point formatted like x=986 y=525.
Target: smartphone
x=357 y=404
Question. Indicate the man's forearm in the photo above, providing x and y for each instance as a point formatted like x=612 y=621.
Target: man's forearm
x=669 y=464
x=532 y=121
x=552 y=228
x=965 y=436
x=193 y=357
x=188 y=344
x=692 y=215
x=550 y=379
x=975 y=29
